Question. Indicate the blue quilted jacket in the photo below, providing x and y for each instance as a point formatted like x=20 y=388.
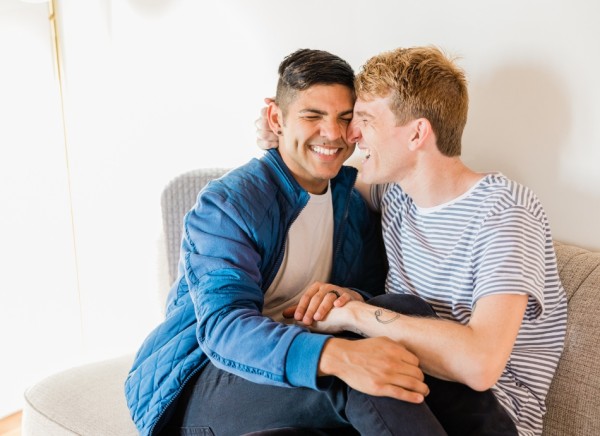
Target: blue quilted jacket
x=232 y=247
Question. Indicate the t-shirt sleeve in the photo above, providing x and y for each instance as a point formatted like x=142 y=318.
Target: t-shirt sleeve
x=509 y=257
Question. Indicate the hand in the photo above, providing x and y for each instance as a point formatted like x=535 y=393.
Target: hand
x=318 y=300
x=375 y=366
x=265 y=138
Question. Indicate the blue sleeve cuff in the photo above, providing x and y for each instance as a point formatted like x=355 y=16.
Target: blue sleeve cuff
x=302 y=360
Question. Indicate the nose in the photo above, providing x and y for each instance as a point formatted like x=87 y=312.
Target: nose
x=331 y=130
x=353 y=133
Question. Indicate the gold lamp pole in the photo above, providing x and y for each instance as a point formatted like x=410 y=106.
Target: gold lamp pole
x=59 y=75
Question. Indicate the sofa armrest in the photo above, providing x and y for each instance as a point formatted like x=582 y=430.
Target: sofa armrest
x=86 y=400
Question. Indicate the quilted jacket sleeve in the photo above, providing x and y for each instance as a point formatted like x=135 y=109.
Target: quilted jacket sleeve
x=222 y=269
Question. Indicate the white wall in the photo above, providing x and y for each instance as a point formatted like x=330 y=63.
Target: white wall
x=157 y=87
x=195 y=74
x=38 y=282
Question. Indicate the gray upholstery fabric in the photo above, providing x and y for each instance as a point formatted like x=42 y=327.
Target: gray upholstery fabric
x=177 y=199
x=574 y=398
x=89 y=400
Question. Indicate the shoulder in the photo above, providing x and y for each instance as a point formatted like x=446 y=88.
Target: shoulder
x=248 y=187
x=388 y=196
x=499 y=194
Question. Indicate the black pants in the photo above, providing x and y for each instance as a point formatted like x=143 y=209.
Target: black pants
x=219 y=403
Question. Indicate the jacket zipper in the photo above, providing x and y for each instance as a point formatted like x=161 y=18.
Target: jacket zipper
x=151 y=432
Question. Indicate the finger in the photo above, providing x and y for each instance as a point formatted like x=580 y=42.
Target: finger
x=343 y=299
x=408 y=357
x=400 y=393
x=301 y=308
x=309 y=315
x=410 y=372
x=269 y=100
x=325 y=306
x=305 y=301
x=289 y=312
x=412 y=384
x=315 y=303
x=266 y=145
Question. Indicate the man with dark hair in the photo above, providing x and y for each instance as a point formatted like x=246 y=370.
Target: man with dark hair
x=223 y=361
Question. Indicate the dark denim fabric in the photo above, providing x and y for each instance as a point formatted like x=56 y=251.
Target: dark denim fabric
x=220 y=403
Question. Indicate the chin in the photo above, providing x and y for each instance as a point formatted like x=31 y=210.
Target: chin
x=328 y=173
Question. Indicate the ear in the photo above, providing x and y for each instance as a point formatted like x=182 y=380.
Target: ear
x=275 y=118
x=421 y=131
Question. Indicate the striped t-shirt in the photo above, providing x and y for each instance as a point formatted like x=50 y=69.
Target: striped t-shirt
x=494 y=239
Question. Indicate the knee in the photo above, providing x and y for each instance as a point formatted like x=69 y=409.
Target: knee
x=406 y=304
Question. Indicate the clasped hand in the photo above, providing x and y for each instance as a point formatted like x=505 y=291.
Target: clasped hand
x=314 y=310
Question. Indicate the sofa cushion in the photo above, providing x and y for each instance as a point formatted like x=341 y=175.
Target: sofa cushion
x=88 y=400
x=574 y=398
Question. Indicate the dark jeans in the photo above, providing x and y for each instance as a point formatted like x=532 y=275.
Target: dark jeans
x=219 y=403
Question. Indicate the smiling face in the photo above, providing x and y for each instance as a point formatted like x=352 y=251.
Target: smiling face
x=313 y=141
x=386 y=144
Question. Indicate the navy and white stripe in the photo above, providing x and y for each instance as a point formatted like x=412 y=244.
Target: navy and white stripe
x=494 y=239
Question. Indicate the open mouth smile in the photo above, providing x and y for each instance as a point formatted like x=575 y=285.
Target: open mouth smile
x=324 y=150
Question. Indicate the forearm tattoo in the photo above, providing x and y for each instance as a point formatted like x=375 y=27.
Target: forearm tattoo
x=386 y=316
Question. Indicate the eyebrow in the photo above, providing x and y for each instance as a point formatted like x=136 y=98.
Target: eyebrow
x=320 y=112
x=363 y=114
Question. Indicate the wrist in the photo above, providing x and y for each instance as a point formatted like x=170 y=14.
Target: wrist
x=350 y=319
x=331 y=357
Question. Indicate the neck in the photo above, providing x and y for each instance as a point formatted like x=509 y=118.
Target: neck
x=438 y=180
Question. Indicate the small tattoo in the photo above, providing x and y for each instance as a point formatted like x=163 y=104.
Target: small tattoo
x=385 y=316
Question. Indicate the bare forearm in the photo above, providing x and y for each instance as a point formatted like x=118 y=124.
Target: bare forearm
x=422 y=337
x=473 y=354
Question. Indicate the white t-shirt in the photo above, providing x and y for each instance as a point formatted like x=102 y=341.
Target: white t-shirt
x=494 y=239
x=307 y=256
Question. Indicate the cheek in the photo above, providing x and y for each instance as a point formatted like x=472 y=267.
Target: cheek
x=302 y=134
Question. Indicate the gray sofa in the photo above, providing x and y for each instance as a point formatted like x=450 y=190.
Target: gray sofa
x=89 y=400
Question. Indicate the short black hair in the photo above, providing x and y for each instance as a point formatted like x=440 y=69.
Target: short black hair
x=305 y=68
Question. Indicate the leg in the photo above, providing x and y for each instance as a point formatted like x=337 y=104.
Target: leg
x=404 y=303
x=222 y=403
x=293 y=431
x=461 y=410
x=465 y=412
x=383 y=416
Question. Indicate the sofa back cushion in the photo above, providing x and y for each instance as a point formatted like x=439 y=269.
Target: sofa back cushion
x=574 y=398
x=178 y=197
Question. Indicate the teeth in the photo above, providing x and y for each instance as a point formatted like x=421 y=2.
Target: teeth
x=325 y=151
